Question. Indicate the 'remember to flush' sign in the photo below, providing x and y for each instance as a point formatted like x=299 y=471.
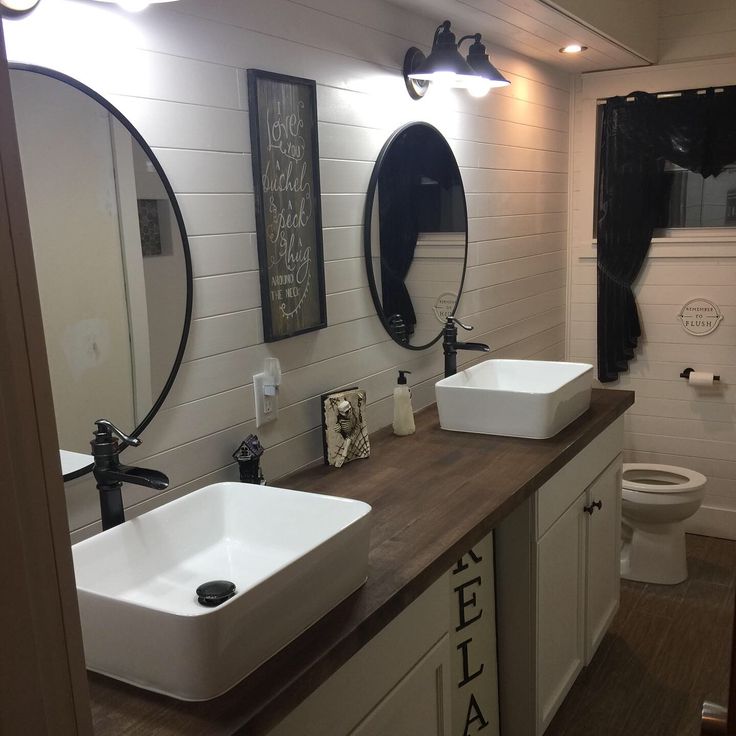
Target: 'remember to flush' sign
x=285 y=154
x=700 y=316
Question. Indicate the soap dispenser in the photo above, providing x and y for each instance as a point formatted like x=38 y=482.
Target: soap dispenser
x=403 y=414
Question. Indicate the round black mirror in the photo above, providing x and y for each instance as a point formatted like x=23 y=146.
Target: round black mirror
x=415 y=235
x=112 y=259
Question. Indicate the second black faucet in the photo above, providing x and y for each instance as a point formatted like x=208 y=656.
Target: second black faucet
x=450 y=344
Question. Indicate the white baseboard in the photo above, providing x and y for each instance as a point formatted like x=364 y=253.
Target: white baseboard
x=713 y=522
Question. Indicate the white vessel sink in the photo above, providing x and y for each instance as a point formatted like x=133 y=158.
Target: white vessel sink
x=72 y=462
x=515 y=398
x=292 y=556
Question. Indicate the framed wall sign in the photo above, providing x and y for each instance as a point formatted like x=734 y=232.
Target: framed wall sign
x=285 y=154
x=700 y=316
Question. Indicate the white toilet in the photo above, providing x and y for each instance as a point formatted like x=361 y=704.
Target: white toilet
x=656 y=500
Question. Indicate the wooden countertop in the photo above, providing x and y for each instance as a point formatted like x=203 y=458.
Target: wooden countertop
x=434 y=495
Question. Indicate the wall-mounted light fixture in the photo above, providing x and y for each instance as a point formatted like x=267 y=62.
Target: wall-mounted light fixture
x=16 y=8
x=487 y=76
x=446 y=65
x=135 y=6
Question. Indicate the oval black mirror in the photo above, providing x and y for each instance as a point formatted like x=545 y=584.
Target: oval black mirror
x=112 y=259
x=415 y=234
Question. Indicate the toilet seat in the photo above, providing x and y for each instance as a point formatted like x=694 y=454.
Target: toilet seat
x=653 y=478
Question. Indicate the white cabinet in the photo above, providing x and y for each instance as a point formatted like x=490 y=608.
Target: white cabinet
x=603 y=555
x=417 y=705
x=560 y=560
x=445 y=665
x=430 y=672
x=411 y=654
x=557 y=577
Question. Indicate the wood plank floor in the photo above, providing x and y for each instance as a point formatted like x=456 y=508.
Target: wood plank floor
x=667 y=650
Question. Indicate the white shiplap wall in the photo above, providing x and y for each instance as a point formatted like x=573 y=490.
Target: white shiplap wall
x=177 y=72
x=702 y=30
x=671 y=422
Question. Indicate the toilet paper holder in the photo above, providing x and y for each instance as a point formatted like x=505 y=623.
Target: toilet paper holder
x=686 y=374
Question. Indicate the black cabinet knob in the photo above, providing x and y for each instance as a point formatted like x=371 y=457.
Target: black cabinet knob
x=595 y=505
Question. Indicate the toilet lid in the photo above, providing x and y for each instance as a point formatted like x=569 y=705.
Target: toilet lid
x=651 y=478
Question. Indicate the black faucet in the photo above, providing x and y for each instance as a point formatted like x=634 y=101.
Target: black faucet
x=450 y=344
x=110 y=474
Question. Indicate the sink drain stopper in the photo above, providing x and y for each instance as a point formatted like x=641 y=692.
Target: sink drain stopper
x=215 y=592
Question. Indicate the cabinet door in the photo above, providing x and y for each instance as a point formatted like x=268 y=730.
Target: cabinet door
x=604 y=543
x=420 y=704
x=560 y=615
x=367 y=680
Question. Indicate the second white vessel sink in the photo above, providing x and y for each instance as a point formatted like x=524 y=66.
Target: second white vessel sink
x=515 y=398
x=292 y=557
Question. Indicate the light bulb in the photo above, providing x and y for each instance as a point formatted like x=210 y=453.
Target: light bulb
x=444 y=80
x=133 y=6
x=479 y=87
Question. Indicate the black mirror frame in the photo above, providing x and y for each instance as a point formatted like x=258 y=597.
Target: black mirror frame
x=367 y=217
x=44 y=71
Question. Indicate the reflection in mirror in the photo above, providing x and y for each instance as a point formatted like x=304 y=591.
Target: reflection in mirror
x=416 y=235
x=111 y=256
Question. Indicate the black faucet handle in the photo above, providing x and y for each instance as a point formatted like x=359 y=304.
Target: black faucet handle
x=106 y=427
x=459 y=323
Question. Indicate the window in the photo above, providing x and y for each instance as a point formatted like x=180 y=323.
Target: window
x=688 y=200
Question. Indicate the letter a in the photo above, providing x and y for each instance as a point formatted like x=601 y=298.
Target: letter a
x=474 y=710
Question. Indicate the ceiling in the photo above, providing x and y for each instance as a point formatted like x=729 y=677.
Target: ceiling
x=532 y=28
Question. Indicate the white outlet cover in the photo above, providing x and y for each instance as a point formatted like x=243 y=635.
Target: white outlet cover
x=263 y=416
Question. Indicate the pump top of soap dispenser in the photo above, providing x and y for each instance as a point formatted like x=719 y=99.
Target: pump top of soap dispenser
x=402 y=377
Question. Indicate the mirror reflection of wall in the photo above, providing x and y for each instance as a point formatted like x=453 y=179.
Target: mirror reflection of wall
x=416 y=247
x=163 y=266
x=110 y=258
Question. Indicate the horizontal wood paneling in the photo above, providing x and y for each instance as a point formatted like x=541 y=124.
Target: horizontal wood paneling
x=696 y=30
x=224 y=253
x=177 y=125
x=671 y=421
x=198 y=172
x=177 y=71
x=654 y=295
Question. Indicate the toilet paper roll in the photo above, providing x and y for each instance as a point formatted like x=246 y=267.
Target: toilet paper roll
x=700 y=378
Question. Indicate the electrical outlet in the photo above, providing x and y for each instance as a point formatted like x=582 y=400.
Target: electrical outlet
x=267 y=406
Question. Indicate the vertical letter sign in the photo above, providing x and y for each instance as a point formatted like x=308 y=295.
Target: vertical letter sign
x=285 y=153
x=474 y=668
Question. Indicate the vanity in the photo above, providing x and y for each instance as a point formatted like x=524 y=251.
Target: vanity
x=493 y=560
x=387 y=651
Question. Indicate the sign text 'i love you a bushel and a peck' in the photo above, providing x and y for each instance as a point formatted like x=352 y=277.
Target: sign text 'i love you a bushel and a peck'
x=285 y=153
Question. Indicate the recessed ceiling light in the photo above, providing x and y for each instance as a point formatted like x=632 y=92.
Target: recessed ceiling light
x=573 y=48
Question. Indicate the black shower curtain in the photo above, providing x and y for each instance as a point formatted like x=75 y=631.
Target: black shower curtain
x=695 y=131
